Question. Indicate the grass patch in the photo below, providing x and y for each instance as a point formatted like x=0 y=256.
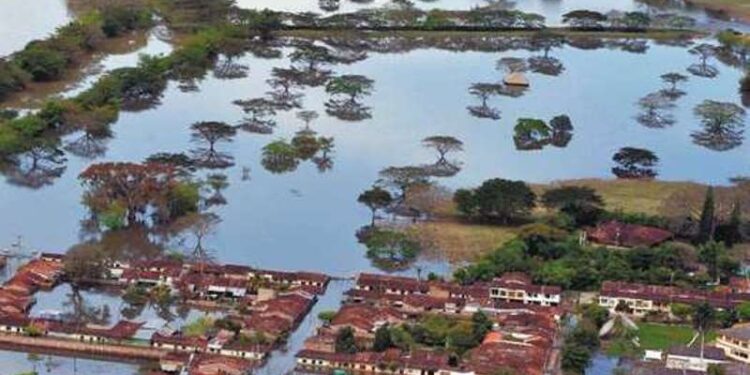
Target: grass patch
x=199 y=327
x=457 y=241
x=661 y=336
x=634 y=196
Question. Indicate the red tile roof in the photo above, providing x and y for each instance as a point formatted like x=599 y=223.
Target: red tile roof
x=615 y=233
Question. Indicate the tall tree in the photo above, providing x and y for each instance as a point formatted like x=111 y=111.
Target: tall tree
x=707 y=224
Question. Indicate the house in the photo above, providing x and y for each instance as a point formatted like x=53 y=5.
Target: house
x=174 y=362
x=517 y=287
x=418 y=362
x=693 y=358
x=642 y=299
x=246 y=350
x=735 y=342
x=619 y=234
x=176 y=341
x=365 y=320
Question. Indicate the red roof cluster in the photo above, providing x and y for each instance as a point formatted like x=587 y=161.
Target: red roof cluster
x=671 y=294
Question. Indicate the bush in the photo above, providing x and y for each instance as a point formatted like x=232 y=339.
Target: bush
x=42 y=62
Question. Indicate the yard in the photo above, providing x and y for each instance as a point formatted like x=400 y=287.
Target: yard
x=661 y=336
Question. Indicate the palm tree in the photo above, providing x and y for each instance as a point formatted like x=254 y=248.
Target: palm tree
x=703 y=319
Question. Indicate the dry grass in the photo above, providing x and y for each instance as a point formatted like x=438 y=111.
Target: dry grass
x=449 y=238
x=635 y=196
x=458 y=242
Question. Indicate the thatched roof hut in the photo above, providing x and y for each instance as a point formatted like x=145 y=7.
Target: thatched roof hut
x=516 y=79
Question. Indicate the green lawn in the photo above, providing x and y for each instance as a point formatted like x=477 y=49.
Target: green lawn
x=660 y=336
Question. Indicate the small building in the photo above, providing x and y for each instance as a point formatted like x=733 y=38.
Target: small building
x=516 y=79
x=693 y=358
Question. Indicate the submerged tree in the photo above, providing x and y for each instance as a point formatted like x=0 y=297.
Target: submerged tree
x=283 y=82
x=211 y=133
x=512 y=65
x=310 y=60
x=376 y=198
x=226 y=66
x=217 y=182
x=279 y=157
x=483 y=91
x=562 y=130
x=654 y=113
x=323 y=159
x=345 y=92
x=635 y=163
x=403 y=178
x=703 y=69
x=307 y=117
x=95 y=132
x=545 y=64
x=127 y=194
x=723 y=125
x=531 y=134
x=673 y=79
x=443 y=144
x=39 y=166
x=259 y=111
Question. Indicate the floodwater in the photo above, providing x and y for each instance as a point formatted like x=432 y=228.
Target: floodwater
x=22 y=21
x=305 y=219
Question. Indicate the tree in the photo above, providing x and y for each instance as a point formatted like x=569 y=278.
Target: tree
x=731 y=232
x=212 y=132
x=637 y=20
x=279 y=157
x=311 y=57
x=345 y=342
x=375 y=199
x=723 y=125
x=484 y=91
x=635 y=163
x=654 y=106
x=41 y=61
x=673 y=79
x=743 y=309
x=512 y=64
x=198 y=226
x=562 y=130
x=307 y=117
x=382 y=339
x=326 y=316
x=583 y=204
x=496 y=200
x=704 y=51
x=443 y=144
x=138 y=189
x=546 y=40
x=85 y=262
x=703 y=319
x=715 y=257
x=390 y=249
x=402 y=178
x=707 y=223
x=584 y=19
x=531 y=134
x=259 y=111
x=352 y=88
x=681 y=311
